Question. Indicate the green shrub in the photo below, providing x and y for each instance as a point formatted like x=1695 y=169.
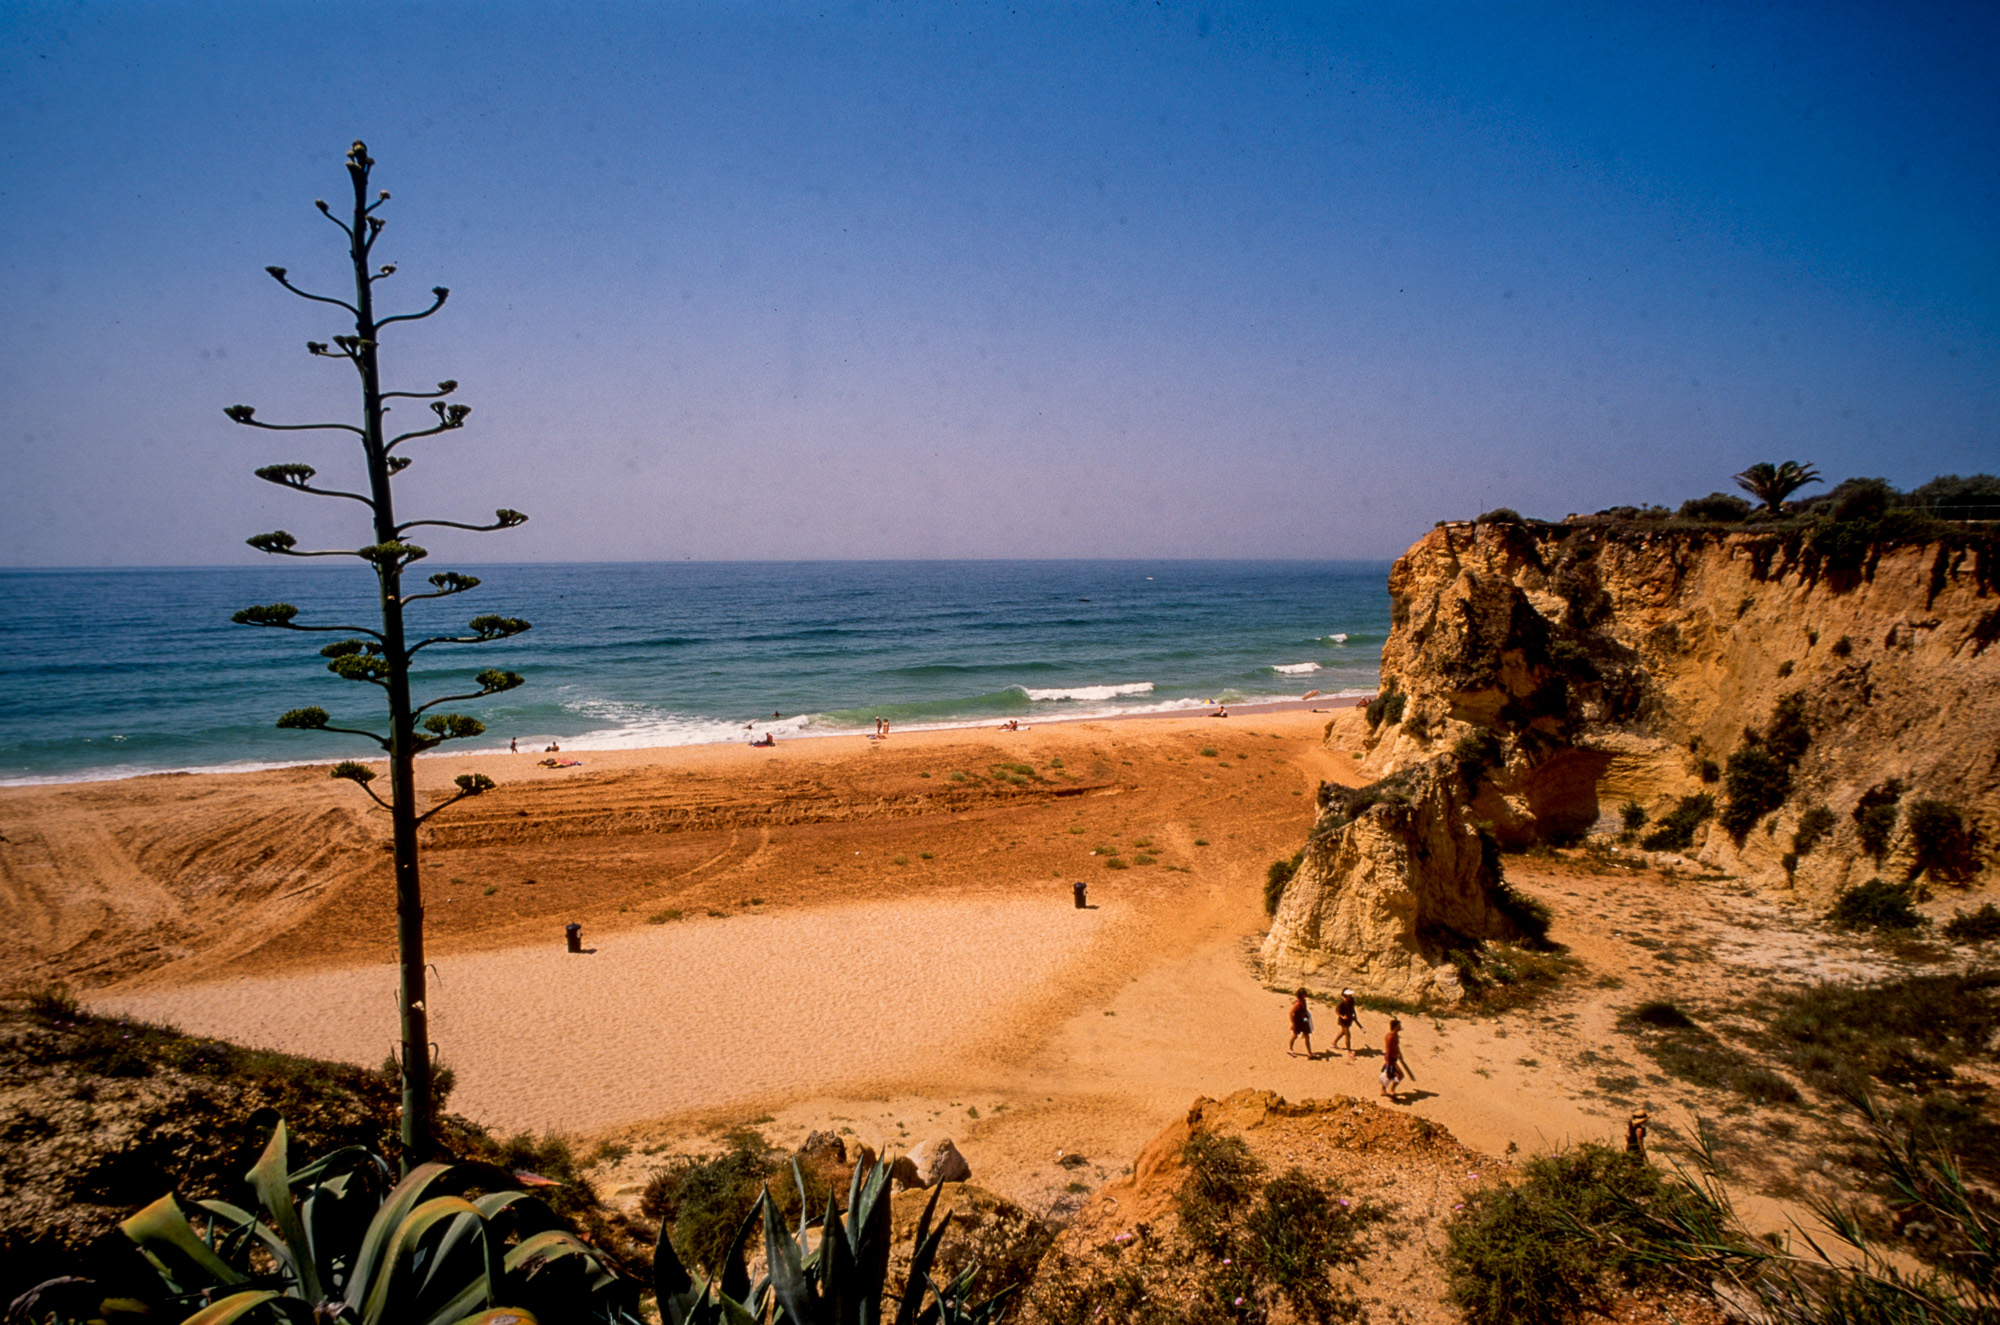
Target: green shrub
x=1716 y=507
x=1876 y=814
x=1386 y=707
x=1501 y=515
x=1221 y=1178
x=1756 y=784
x=1209 y=752
x=1708 y=771
x=1760 y=772
x=1676 y=828
x=705 y=1197
x=1521 y=1252
x=1908 y=1031
x=1974 y=926
x=1529 y=916
x=1842 y=647
x=1875 y=905
x=1789 y=734
x=1632 y=815
x=1476 y=753
x=1814 y=825
x=1660 y=1014
x=1276 y=877
x=1300 y=1230
x=1944 y=847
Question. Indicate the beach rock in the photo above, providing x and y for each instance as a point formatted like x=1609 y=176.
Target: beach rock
x=1392 y=874
x=939 y=1161
x=1601 y=662
x=822 y=1143
x=903 y=1173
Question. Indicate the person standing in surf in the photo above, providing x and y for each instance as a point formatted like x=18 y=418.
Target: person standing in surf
x=1302 y=1024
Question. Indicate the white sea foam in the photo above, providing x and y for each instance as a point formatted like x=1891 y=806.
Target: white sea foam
x=1294 y=669
x=1340 y=638
x=1090 y=693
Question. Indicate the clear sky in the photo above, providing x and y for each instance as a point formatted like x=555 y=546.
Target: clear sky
x=1121 y=279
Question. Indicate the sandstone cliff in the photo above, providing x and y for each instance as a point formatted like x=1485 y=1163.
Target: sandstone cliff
x=1394 y=877
x=1802 y=679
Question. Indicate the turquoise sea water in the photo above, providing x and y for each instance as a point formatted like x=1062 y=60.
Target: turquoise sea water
x=112 y=673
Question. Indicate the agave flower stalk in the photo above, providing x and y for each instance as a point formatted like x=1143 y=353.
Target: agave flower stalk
x=381 y=655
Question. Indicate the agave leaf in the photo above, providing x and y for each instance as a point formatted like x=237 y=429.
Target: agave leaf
x=868 y=1234
x=794 y=1290
x=270 y=1178
x=922 y=1253
x=406 y=1258
x=421 y=1184
x=245 y=1227
x=223 y=1311
x=516 y=1212
x=499 y=1316
x=166 y=1239
x=466 y=1264
x=673 y=1288
x=340 y=1163
x=736 y=1275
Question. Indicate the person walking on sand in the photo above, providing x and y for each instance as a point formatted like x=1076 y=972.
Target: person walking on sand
x=1302 y=1024
x=1635 y=1136
x=513 y=745
x=1343 y=1012
x=1394 y=1066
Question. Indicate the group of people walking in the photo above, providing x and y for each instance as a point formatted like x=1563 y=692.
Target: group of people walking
x=1394 y=1065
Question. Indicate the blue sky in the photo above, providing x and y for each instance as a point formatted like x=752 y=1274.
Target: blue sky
x=898 y=280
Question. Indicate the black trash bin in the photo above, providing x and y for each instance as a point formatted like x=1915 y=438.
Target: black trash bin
x=1078 y=889
x=574 y=933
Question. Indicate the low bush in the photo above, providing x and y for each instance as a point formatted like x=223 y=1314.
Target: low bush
x=1671 y=1038
x=1221 y=1178
x=1277 y=877
x=1677 y=827
x=1543 y=1249
x=1632 y=815
x=1974 y=926
x=1876 y=813
x=1386 y=707
x=1760 y=772
x=1813 y=827
x=1756 y=783
x=1943 y=846
x=1875 y=905
x=1501 y=515
x=1299 y=1230
x=1476 y=753
x=1659 y=1014
x=705 y=1197
x=1716 y=507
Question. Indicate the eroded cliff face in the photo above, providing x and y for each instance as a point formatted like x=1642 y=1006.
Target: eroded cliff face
x=1392 y=878
x=1582 y=668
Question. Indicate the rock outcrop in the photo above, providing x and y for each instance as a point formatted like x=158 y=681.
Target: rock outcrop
x=1394 y=877
x=1580 y=667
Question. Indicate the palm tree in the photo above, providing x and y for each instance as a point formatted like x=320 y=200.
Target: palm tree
x=1771 y=484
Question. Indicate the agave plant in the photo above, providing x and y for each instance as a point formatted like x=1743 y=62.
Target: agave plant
x=837 y=1280
x=338 y=1244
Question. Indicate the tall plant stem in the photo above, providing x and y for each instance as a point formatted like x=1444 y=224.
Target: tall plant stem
x=418 y=1131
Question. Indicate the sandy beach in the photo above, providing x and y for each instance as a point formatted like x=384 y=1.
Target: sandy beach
x=875 y=937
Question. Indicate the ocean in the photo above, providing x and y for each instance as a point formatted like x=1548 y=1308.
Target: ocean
x=112 y=673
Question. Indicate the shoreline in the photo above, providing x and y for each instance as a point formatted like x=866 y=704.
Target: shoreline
x=1321 y=703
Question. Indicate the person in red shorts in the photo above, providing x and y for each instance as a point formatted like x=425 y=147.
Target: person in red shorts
x=1302 y=1024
